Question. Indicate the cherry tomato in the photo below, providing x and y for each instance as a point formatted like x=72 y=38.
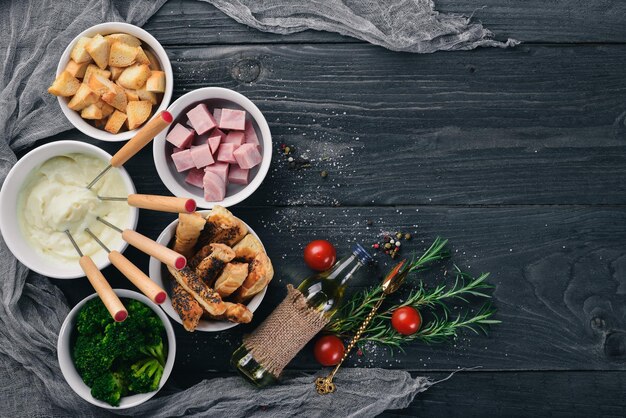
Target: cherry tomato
x=328 y=350
x=320 y=255
x=406 y=320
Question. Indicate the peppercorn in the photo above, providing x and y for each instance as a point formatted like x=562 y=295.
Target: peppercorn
x=397 y=243
x=324 y=174
x=387 y=246
x=287 y=150
x=386 y=238
x=387 y=252
x=407 y=236
x=283 y=146
x=377 y=245
x=392 y=241
x=370 y=222
x=399 y=235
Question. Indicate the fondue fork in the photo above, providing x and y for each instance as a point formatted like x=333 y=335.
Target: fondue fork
x=156 y=202
x=101 y=286
x=132 y=273
x=137 y=142
x=152 y=248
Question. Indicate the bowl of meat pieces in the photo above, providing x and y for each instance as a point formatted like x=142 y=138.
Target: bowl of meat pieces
x=218 y=149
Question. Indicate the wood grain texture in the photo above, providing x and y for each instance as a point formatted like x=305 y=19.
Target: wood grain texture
x=529 y=394
x=559 y=276
x=192 y=22
x=533 y=125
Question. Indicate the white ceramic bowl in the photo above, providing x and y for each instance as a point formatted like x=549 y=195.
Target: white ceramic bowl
x=157 y=270
x=64 y=353
x=213 y=97
x=147 y=39
x=10 y=229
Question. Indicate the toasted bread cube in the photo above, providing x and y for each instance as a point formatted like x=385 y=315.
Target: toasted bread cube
x=138 y=113
x=83 y=98
x=134 y=77
x=122 y=55
x=115 y=122
x=115 y=72
x=64 y=85
x=93 y=69
x=99 y=48
x=142 y=58
x=106 y=108
x=156 y=82
x=76 y=69
x=116 y=98
x=79 y=54
x=155 y=64
x=147 y=95
x=91 y=112
x=124 y=38
x=131 y=95
x=99 y=84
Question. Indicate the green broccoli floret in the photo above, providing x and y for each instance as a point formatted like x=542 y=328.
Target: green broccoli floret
x=90 y=357
x=140 y=331
x=105 y=350
x=109 y=387
x=156 y=351
x=145 y=375
x=93 y=318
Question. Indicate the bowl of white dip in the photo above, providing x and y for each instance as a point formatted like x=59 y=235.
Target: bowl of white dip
x=46 y=193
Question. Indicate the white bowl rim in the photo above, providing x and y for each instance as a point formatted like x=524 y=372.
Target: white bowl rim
x=154 y=270
x=113 y=27
x=196 y=96
x=66 y=363
x=82 y=147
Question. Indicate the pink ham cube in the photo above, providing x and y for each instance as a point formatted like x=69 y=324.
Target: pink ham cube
x=225 y=153
x=217 y=112
x=201 y=155
x=194 y=177
x=251 y=137
x=247 y=155
x=180 y=136
x=221 y=169
x=182 y=160
x=238 y=175
x=234 y=137
x=201 y=119
x=214 y=187
x=232 y=119
x=214 y=143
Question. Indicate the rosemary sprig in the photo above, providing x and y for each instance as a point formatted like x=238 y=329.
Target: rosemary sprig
x=440 y=326
x=352 y=314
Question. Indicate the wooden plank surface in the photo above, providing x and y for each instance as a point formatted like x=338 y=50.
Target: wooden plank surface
x=534 y=125
x=517 y=156
x=186 y=22
x=527 y=394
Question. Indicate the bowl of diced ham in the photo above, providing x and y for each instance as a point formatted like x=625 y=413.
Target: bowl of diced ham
x=217 y=150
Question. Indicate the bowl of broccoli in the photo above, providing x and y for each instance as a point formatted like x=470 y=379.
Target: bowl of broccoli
x=116 y=365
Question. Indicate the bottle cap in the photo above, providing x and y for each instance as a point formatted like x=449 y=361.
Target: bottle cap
x=361 y=253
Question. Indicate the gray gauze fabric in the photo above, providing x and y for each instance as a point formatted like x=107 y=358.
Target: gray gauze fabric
x=34 y=33
x=399 y=25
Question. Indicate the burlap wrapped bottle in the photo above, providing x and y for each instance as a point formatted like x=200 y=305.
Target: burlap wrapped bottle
x=285 y=332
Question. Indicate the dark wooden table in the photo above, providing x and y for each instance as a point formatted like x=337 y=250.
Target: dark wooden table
x=517 y=156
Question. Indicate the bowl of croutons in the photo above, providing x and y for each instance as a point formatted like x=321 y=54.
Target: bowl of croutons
x=111 y=79
x=227 y=271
